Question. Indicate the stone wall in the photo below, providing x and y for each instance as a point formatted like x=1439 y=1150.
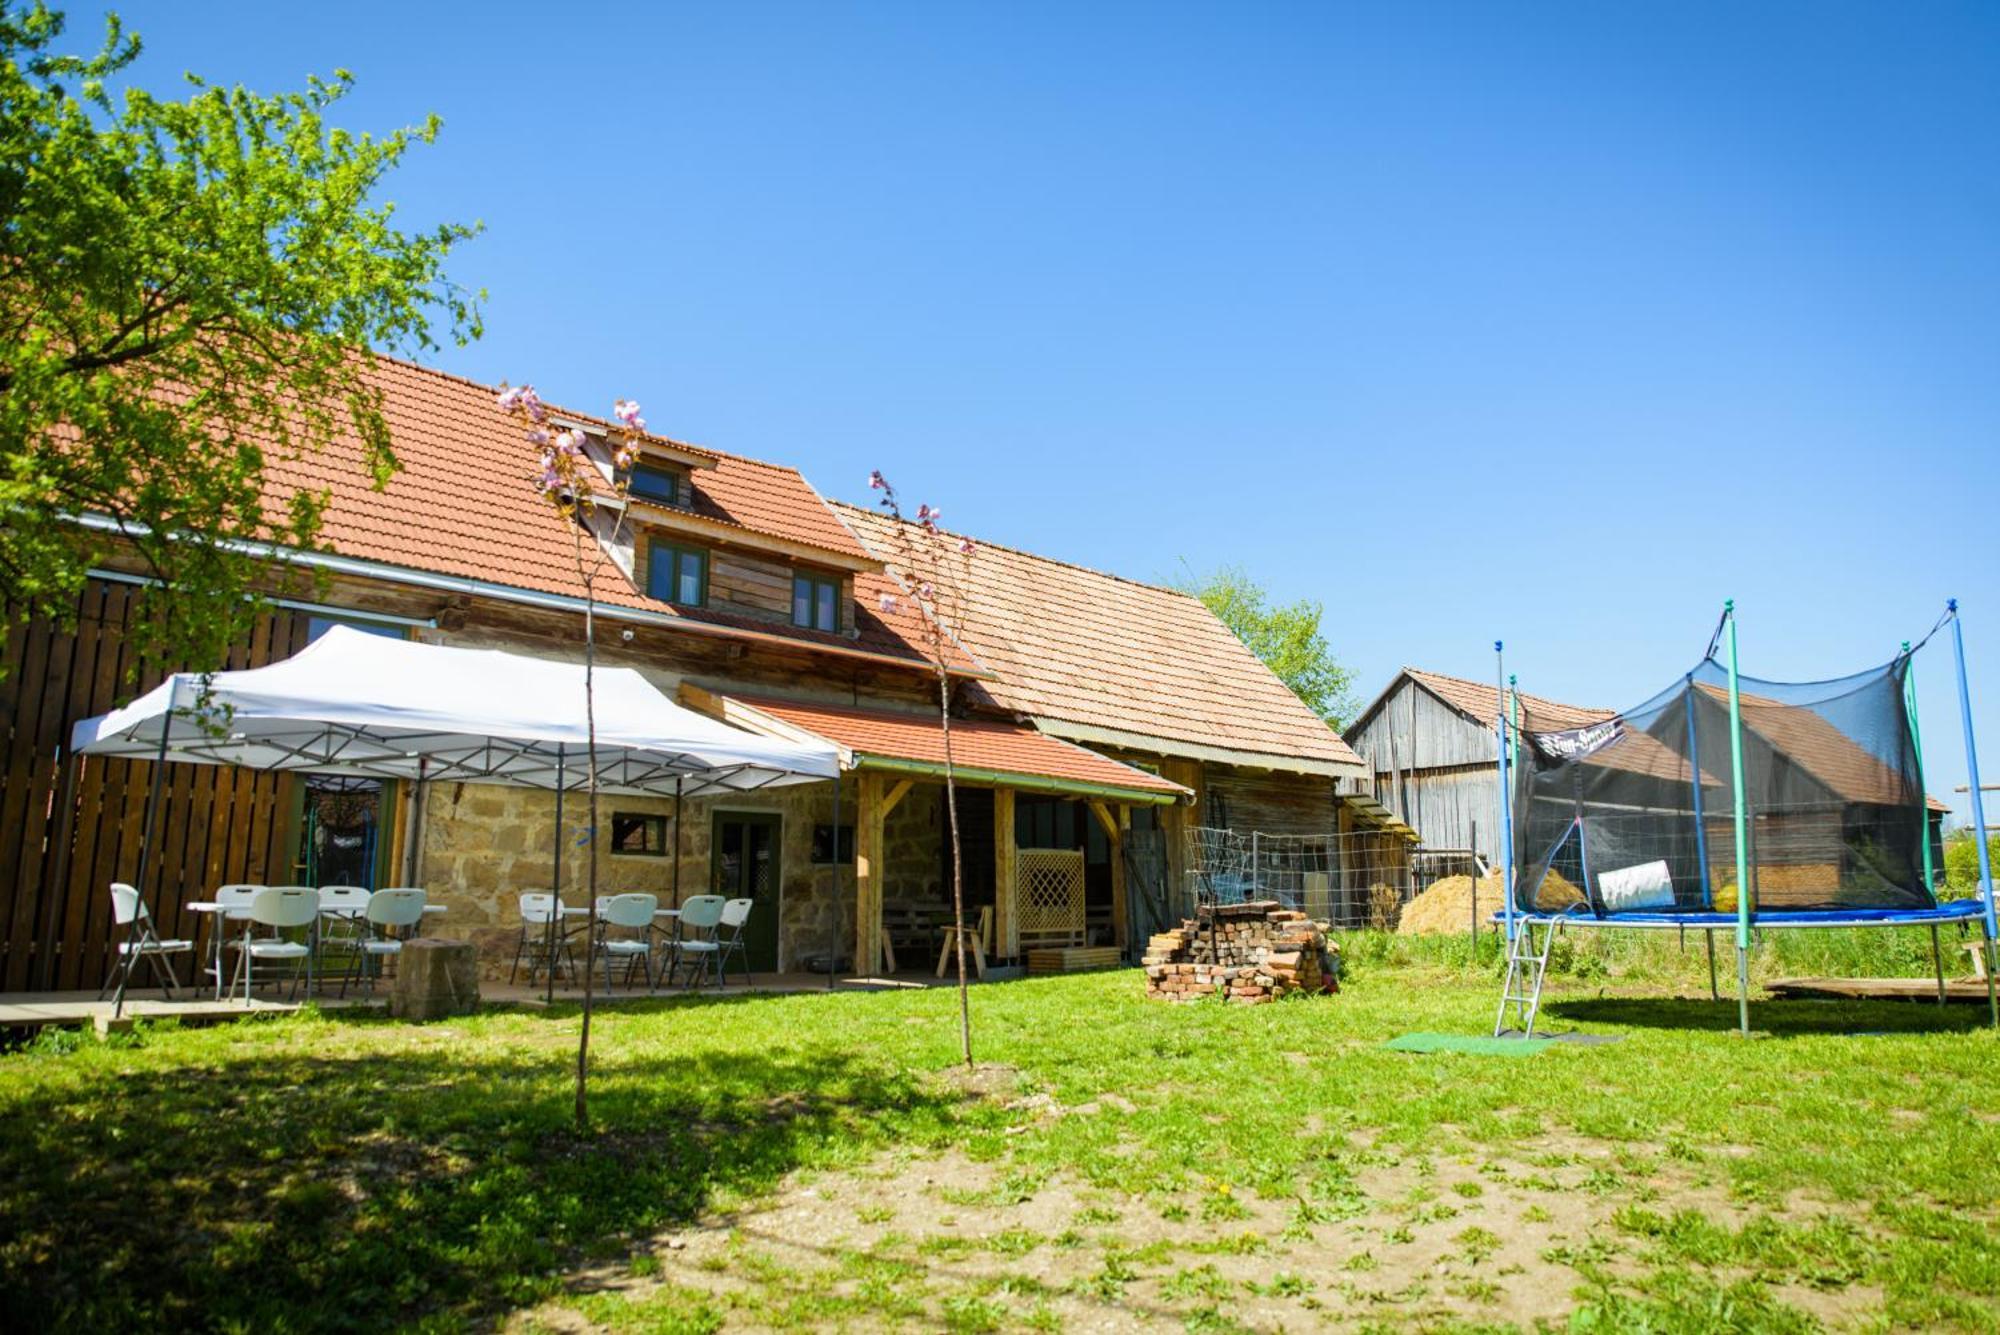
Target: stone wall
x=485 y=845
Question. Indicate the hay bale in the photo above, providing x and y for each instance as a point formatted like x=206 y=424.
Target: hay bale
x=1449 y=905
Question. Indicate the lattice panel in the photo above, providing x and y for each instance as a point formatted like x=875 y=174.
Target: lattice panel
x=1049 y=893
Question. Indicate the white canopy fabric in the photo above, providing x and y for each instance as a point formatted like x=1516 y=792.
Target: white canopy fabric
x=359 y=703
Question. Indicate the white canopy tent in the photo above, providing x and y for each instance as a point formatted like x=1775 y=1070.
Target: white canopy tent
x=358 y=703
x=355 y=703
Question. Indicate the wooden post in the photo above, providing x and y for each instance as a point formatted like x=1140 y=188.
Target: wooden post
x=1006 y=922
x=868 y=868
x=1114 y=831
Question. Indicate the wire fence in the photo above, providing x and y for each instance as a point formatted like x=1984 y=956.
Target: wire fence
x=1349 y=881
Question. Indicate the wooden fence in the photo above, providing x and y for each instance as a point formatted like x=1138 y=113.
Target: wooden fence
x=217 y=824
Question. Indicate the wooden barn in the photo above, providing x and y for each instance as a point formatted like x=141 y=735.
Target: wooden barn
x=1428 y=744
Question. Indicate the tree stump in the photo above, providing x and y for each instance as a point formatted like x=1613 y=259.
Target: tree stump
x=435 y=977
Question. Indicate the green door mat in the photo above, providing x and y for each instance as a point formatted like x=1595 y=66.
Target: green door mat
x=1491 y=1047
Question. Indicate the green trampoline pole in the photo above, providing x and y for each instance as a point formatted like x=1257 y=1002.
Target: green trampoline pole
x=1923 y=790
x=1742 y=848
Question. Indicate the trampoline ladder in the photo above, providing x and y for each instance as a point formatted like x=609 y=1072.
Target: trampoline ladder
x=1527 y=965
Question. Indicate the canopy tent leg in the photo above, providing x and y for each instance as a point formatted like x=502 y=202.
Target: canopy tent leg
x=1742 y=847
x=839 y=890
x=146 y=831
x=555 y=885
x=1714 y=994
x=1978 y=815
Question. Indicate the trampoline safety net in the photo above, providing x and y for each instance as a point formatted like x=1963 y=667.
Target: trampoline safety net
x=1634 y=812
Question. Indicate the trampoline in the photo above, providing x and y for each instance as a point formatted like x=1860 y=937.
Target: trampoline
x=1731 y=803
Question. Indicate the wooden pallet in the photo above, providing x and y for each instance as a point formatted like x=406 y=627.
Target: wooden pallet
x=1073 y=959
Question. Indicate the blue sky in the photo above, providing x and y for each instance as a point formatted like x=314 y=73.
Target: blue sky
x=1553 y=323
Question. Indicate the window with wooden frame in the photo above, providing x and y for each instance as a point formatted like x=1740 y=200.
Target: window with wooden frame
x=656 y=482
x=816 y=602
x=638 y=834
x=676 y=574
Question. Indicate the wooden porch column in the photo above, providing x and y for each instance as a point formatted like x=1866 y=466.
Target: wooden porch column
x=1006 y=922
x=1114 y=830
x=868 y=868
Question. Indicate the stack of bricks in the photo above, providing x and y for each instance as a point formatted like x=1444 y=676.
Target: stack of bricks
x=1252 y=953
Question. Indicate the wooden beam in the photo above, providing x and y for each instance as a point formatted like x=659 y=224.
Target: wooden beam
x=1006 y=922
x=1120 y=920
x=868 y=868
x=1104 y=818
x=895 y=795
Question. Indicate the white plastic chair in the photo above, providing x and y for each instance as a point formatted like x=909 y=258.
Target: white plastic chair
x=387 y=911
x=277 y=907
x=729 y=935
x=537 y=907
x=141 y=941
x=627 y=912
x=235 y=900
x=342 y=910
x=700 y=916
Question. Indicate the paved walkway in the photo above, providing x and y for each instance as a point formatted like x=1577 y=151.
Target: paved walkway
x=32 y=1010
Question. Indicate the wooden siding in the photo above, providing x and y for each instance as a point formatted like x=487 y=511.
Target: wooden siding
x=1434 y=768
x=1268 y=802
x=748 y=584
x=1444 y=805
x=217 y=824
x=1416 y=730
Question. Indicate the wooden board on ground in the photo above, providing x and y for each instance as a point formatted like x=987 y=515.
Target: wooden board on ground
x=1073 y=959
x=1878 y=989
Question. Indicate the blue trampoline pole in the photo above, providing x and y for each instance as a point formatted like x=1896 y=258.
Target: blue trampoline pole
x=1506 y=803
x=1978 y=815
x=1742 y=847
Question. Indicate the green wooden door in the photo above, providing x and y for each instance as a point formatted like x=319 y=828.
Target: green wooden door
x=744 y=865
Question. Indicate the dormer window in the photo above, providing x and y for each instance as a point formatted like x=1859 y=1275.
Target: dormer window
x=816 y=602
x=676 y=574
x=659 y=483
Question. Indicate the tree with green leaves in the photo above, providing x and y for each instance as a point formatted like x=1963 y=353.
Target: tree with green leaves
x=190 y=291
x=1961 y=862
x=1287 y=637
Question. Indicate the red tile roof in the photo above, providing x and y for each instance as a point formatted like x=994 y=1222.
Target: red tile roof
x=1070 y=645
x=979 y=744
x=463 y=505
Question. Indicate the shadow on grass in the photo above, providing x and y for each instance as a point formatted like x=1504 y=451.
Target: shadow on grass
x=1788 y=1018
x=277 y=1188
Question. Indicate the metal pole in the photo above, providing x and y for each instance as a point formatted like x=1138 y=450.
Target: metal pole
x=152 y=815
x=1742 y=848
x=1506 y=805
x=1978 y=815
x=555 y=882
x=839 y=890
x=413 y=828
x=680 y=784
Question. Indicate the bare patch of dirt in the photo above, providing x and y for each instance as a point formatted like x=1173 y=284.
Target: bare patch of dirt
x=1422 y=1237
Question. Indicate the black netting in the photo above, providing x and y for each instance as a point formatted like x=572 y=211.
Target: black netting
x=1634 y=814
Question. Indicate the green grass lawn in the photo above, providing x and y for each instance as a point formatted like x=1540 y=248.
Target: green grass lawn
x=810 y=1161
